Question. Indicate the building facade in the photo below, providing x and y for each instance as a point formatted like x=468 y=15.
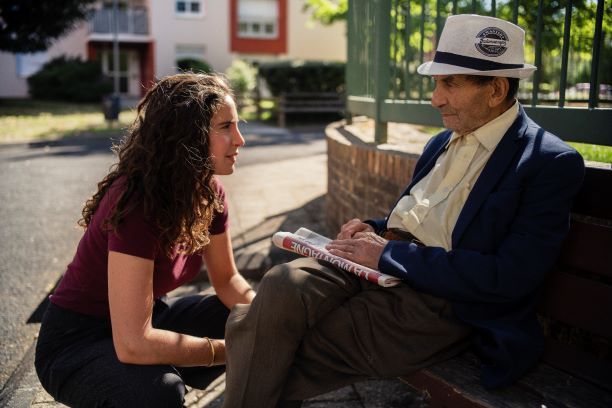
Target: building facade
x=154 y=34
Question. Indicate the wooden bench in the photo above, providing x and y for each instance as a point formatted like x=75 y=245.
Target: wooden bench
x=309 y=102
x=575 y=313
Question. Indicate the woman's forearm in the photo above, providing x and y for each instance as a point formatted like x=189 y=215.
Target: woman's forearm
x=158 y=346
x=235 y=290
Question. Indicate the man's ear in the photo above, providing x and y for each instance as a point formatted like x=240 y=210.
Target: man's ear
x=499 y=90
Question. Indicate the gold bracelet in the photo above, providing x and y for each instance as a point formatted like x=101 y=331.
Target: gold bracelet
x=212 y=351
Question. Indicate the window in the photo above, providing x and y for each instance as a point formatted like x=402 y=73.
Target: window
x=188 y=8
x=258 y=18
x=29 y=64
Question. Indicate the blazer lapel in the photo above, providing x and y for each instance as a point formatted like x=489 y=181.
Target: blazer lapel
x=492 y=172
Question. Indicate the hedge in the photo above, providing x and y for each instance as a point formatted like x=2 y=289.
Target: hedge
x=70 y=79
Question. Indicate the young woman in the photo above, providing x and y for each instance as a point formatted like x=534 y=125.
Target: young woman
x=109 y=337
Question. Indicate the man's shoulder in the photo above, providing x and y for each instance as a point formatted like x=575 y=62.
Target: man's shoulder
x=546 y=142
x=543 y=149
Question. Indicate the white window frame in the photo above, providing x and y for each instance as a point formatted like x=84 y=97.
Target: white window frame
x=249 y=31
x=258 y=13
x=188 y=13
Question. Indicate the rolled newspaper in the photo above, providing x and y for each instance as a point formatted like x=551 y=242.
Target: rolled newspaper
x=310 y=244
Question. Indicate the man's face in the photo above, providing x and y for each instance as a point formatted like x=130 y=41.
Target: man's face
x=464 y=105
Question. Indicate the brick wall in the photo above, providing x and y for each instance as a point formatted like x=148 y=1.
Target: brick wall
x=363 y=180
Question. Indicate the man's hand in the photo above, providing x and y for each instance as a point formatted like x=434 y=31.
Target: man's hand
x=352 y=227
x=365 y=248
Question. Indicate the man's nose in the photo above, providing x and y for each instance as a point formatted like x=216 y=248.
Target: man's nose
x=437 y=97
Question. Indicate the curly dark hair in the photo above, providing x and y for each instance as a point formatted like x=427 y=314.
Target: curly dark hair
x=165 y=161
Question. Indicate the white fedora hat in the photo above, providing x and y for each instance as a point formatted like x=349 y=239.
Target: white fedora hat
x=479 y=45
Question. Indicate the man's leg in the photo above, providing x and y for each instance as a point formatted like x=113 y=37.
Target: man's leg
x=379 y=332
x=262 y=338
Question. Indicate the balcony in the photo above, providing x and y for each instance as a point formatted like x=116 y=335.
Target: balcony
x=131 y=21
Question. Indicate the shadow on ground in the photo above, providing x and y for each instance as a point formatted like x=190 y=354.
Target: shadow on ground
x=70 y=146
x=253 y=249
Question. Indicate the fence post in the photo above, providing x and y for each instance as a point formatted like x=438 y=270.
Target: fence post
x=382 y=52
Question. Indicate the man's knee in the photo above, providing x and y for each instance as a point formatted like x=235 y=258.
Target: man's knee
x=282 y=281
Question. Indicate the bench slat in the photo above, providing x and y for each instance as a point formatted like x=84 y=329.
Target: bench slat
x=309 y=102
x=578 y=302
x=596 y=194
x=588 y=247
x=455 y=383
x=578 y=362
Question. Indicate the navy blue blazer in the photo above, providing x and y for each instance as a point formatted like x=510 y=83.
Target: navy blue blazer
x=506 y=239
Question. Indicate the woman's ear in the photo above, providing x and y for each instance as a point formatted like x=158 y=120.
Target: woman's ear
x=499 y=90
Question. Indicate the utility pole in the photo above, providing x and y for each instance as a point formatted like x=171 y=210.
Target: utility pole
x=115 y=100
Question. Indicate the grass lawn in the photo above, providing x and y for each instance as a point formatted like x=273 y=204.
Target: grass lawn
x=27 y=120
x=594 y=153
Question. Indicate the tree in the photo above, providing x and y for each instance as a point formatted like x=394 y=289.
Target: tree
x=327 y=12
x=32 y=25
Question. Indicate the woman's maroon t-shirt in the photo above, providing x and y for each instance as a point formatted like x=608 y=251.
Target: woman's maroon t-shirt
x=84 y=286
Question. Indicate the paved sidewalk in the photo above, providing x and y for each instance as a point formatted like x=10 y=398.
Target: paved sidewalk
x=265 y=198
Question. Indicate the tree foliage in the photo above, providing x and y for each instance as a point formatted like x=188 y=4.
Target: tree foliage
x=327 y=12
x=32 y=25
x=406 y=39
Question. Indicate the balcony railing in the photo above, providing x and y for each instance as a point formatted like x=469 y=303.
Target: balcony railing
x=130 y=21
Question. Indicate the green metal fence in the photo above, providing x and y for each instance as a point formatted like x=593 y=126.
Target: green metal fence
x=570 y=41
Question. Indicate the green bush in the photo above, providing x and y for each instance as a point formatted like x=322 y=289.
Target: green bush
x=242 y=77
x=194 y=65
x=70 y=79
x=303 y=76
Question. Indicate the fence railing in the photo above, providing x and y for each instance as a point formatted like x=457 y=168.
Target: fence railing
x=570 y=41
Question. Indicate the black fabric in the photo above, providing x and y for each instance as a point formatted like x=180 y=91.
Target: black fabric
x=77 y=364
x=450 y=58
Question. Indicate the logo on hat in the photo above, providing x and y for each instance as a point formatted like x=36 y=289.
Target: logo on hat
x=491 y=42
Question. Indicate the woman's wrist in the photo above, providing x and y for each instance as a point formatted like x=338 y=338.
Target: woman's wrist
x=216 y=352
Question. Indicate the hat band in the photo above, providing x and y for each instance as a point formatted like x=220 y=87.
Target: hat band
x=450 y=58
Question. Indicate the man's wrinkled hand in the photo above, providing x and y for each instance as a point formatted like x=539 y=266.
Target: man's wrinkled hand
x=353 y=227
x=365 y=248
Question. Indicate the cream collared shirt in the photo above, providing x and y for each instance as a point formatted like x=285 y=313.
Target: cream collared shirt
x=431 y=209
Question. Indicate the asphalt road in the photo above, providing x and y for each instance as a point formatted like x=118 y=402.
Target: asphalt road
x=42 y=189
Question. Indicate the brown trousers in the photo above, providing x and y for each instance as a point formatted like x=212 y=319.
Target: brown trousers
x=313 y=328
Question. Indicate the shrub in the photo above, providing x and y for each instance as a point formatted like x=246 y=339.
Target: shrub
x=70 y=79
x=303 y=76
x=193 y=65
x=242 y=77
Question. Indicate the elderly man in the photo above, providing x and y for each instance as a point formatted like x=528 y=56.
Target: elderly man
x=472 y=238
